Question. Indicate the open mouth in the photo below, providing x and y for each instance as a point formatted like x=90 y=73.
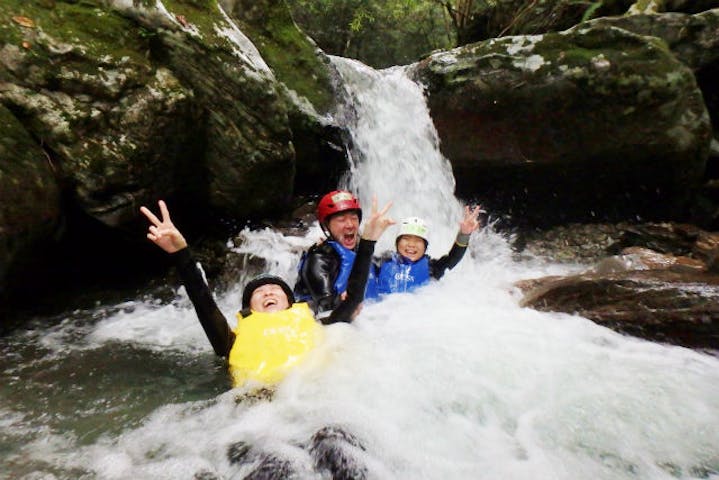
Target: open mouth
x=269 y=302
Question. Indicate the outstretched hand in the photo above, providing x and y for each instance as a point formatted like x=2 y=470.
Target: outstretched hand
x=470 y=222
x=378 y=222
x=163 y=233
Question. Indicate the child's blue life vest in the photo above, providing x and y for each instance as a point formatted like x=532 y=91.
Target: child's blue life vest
x=400 y=274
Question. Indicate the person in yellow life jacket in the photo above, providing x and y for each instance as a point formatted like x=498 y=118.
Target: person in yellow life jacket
x=273 y=333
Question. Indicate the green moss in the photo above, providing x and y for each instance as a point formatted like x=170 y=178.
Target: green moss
x=202 y=14
x=90 y=27
x=290 y=54
x=282 y=45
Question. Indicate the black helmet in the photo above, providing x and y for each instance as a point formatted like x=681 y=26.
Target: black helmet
x=265 y=279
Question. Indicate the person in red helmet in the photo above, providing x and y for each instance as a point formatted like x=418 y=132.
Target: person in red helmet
x=325 y=267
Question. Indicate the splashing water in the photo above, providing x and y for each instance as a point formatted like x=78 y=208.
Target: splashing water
x=455 y=381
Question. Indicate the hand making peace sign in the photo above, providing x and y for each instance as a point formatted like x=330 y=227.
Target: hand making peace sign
x=163 y=233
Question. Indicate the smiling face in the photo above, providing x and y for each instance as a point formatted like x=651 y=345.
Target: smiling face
x=343 y=228
x=411 y=246
x=269 y=298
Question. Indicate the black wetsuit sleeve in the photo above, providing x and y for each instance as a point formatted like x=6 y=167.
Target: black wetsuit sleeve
x=356 y=284
x=439 y=266
x=210 y=316
x=318 y=274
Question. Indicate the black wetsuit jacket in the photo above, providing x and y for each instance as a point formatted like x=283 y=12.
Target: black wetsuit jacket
x=317 y=278
x=213 y=321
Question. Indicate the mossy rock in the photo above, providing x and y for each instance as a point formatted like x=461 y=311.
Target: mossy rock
x=554 y=128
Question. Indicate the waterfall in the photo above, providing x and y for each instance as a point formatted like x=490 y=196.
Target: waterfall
x=455 y=381
x=395 y=154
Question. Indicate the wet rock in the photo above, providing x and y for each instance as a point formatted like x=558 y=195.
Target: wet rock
x=661 y=305
x=238 y=453
x=331 y=448
x=130 y=102
x=672 y=238
x=706 y=249
x=272 y=468
x=572 y=243
x=206 y=475
x=30 y=209
x=669 y=293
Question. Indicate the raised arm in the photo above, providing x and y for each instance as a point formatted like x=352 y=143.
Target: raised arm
x=374 y=228
x=165 y=235
x=467 y=226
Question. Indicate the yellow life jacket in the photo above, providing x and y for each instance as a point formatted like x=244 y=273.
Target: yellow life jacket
x=268 y=344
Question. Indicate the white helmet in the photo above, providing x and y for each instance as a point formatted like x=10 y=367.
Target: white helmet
x=413 y=226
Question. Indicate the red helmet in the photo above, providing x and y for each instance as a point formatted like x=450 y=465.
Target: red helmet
x=336 y=202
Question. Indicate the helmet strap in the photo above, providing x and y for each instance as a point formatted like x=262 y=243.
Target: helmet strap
x=326 y=231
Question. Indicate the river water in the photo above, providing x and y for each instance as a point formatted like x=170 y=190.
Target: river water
x=455 y=381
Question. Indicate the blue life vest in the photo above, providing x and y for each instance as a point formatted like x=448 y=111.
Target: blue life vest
x=371 y=292
x=347 y=258
x=399 y=274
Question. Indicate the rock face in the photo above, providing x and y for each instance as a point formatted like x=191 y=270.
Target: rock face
x=517 y=17
x=647 y=293
x=129 y=102
x=30 y=206
x=662 y=305
x=594 y=122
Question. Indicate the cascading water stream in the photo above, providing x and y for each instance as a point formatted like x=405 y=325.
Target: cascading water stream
x=396 y=152
x=455 y=381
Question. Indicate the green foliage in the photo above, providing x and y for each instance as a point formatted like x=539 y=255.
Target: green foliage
x=591 y=10
x=378 y=32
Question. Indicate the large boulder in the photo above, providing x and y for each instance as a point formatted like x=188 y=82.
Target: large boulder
x=667 y=305
x=518 y=17
x=130 y=110
x=662 y=282
x=134 y=101
x=594 y=122
x=694 y=39
x=311 y=85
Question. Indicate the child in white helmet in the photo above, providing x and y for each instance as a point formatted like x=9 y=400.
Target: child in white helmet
x=410 y=267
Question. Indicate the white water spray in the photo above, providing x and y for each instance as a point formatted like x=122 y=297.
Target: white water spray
x=455 y=381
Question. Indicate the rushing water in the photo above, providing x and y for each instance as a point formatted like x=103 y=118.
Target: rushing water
x=455 y=381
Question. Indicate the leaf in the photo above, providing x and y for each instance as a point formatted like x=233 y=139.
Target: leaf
x=590 y=11
x=24 y=21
